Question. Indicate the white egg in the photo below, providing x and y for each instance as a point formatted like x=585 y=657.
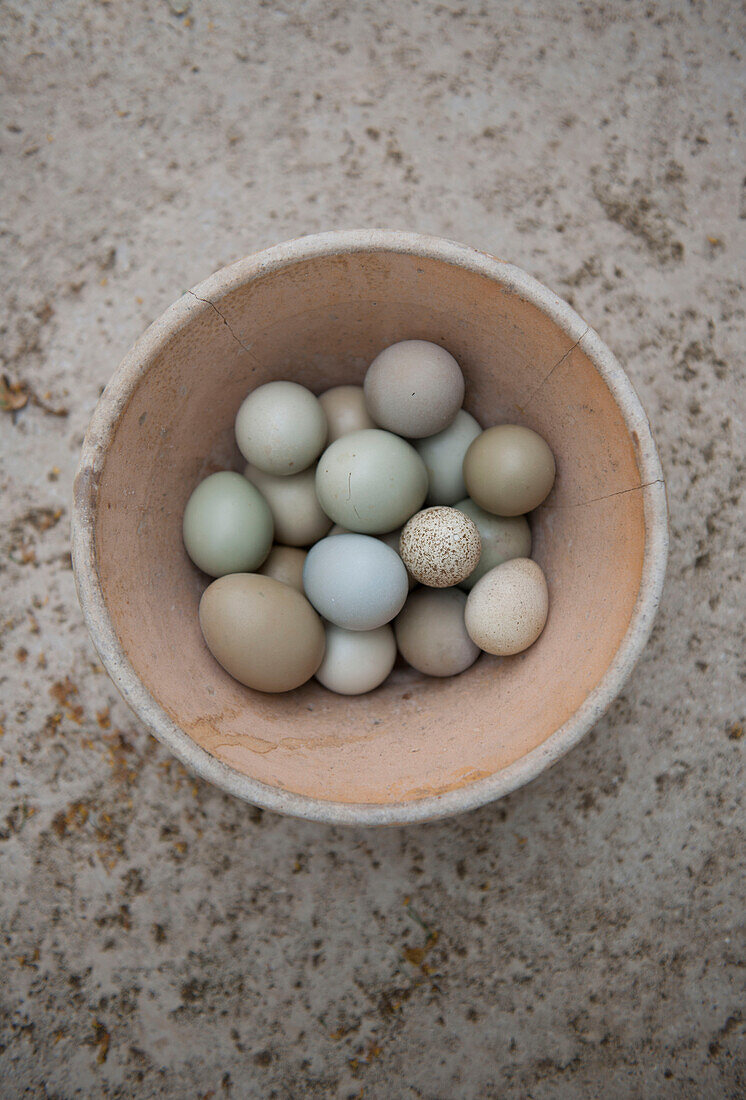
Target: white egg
x=356 y=661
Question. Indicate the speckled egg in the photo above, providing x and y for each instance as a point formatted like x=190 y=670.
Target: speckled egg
x=503 y=538
x=507 y=609
x=281 y=428
x=355 y=581
x=370 y=481
x=431 y=633
x=227 y=525
x=443 y=455
x=345 y=410
x=440 y=546
x=298 y=516
x=414 y=388
x=356 y=661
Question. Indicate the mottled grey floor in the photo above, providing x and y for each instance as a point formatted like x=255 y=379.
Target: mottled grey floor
x=579 y=939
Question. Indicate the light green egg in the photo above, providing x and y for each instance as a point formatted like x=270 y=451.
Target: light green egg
x=227 y=525
x=503 y=538
x=443 y=455
x=371 y=481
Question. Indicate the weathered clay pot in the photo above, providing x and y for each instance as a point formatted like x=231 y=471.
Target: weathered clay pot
x=317 y=310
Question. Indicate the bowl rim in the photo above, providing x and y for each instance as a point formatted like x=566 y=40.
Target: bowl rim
x=112 y=405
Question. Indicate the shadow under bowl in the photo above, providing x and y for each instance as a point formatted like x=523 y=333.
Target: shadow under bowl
x=317 y=310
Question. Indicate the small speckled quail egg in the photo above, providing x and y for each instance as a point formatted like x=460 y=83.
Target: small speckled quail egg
x=509 y=470
x=507 y=609
x=355 y=581
x=345 y=410
x=440 y=546
x=281 y=428
x=299 y=518
x=431 y=633
x=414 y=388
x=443 y=455
x=264 y=633
x=227 y=525
x=370 y=481
x=356 y=661
x=285 y=563
x=503 y=538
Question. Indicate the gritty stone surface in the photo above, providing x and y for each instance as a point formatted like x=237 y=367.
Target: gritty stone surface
x=580 y=938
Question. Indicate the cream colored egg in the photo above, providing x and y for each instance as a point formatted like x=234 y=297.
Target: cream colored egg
x=356 y=661
x=285 y=563
x=299 y=518
x=345 y=410
x=440 y=546
x=507 y=609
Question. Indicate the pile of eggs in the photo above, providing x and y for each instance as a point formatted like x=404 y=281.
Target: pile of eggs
x=326 y=561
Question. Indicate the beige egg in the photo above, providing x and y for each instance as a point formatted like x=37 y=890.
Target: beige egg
x=507 y=609
x=285 y=563
x=431 y=633
x=299 y=518
x=264 y=633
x=414 y=388
x=440 y=546
x=345 y=410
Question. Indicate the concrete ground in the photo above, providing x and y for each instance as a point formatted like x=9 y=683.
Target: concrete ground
x=580 y=938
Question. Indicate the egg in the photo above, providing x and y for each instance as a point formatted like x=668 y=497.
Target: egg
x=263 y=632
x=227 y=525
x=507 y=609
x=298 y=516
x=285 y=563
x=509 y=470
x=431 y=634
x=356 y=661
x=443 y=455
x=370 y=481
x=345 y=410
x=281 y=428
x=414 y=388
x=392 y=540
x=355 y=581
x=440 y=546
x=502 y=537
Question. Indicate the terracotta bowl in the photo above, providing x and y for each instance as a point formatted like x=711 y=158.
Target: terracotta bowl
x=317 y=310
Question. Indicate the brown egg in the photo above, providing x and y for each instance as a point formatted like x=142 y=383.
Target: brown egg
x=263 y=632
x=431 y=634
x=440 y=546
x=509 y=470
x=285 y=563
x=506 y=610
x=345 y=410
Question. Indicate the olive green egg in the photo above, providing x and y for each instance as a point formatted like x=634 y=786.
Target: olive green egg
x=227 y=525
x=371 y=481
x=509 y=470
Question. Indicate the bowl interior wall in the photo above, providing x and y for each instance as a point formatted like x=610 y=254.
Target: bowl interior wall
x=320 y=322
